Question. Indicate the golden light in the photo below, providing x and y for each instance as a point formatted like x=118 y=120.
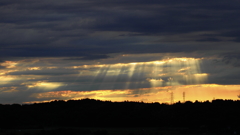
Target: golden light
x=9 y=64
x=117 y=95
x=179 y=69
x=200 y=92
x=45 y=85
x=183 y=69
x=34 y=68
x=137 y=81
x=8 y=89
x=5 y=72
x=6 y=79
x=158 y=94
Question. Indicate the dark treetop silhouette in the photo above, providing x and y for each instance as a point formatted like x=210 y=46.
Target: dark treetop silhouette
x=96 y=113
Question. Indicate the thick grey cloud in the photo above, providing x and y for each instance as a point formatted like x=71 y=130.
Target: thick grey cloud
x=45 y=72
x=60 y=28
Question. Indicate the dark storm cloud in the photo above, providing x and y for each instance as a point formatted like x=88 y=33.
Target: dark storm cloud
x=231 y=58
x=89 y=57
x=44 y=72
x=60 y=28
x=221 y=73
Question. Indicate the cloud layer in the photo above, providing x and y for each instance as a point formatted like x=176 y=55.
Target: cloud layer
x=40 y=79
x=75 y=46
x=94 y=29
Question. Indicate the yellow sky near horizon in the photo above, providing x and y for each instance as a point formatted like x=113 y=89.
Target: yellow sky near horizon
x=200 y=92
x=162 y=81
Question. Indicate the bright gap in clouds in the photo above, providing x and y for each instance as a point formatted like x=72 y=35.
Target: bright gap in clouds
x=134 y=81
x=168 y=72
x=151 y=81
x=45 y=85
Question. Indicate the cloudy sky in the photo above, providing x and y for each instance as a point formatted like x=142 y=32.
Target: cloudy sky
x=137 y=50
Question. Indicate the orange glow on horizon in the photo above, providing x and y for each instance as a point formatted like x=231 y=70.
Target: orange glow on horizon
x=201 y=92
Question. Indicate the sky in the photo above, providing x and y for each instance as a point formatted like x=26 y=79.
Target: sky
x=119 y=50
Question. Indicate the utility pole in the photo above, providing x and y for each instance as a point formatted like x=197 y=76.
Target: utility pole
x=172 y=98
x=183 y=97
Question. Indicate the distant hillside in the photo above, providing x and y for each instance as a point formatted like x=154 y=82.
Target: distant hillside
x=96 y=113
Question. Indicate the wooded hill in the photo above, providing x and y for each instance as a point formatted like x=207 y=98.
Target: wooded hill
x=96 y=113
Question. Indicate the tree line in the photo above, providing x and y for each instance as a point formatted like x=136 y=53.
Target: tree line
x=96 y=113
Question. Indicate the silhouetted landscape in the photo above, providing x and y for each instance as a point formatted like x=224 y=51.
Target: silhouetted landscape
x=134 y=51
x=217 y=116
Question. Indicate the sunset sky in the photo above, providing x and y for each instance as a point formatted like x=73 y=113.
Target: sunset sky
x=137 y=50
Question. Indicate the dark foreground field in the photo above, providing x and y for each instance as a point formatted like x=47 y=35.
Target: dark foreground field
x=118 y=131
x=91 y=117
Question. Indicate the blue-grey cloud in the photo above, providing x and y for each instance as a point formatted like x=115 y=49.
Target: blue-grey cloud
x=59 y=28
